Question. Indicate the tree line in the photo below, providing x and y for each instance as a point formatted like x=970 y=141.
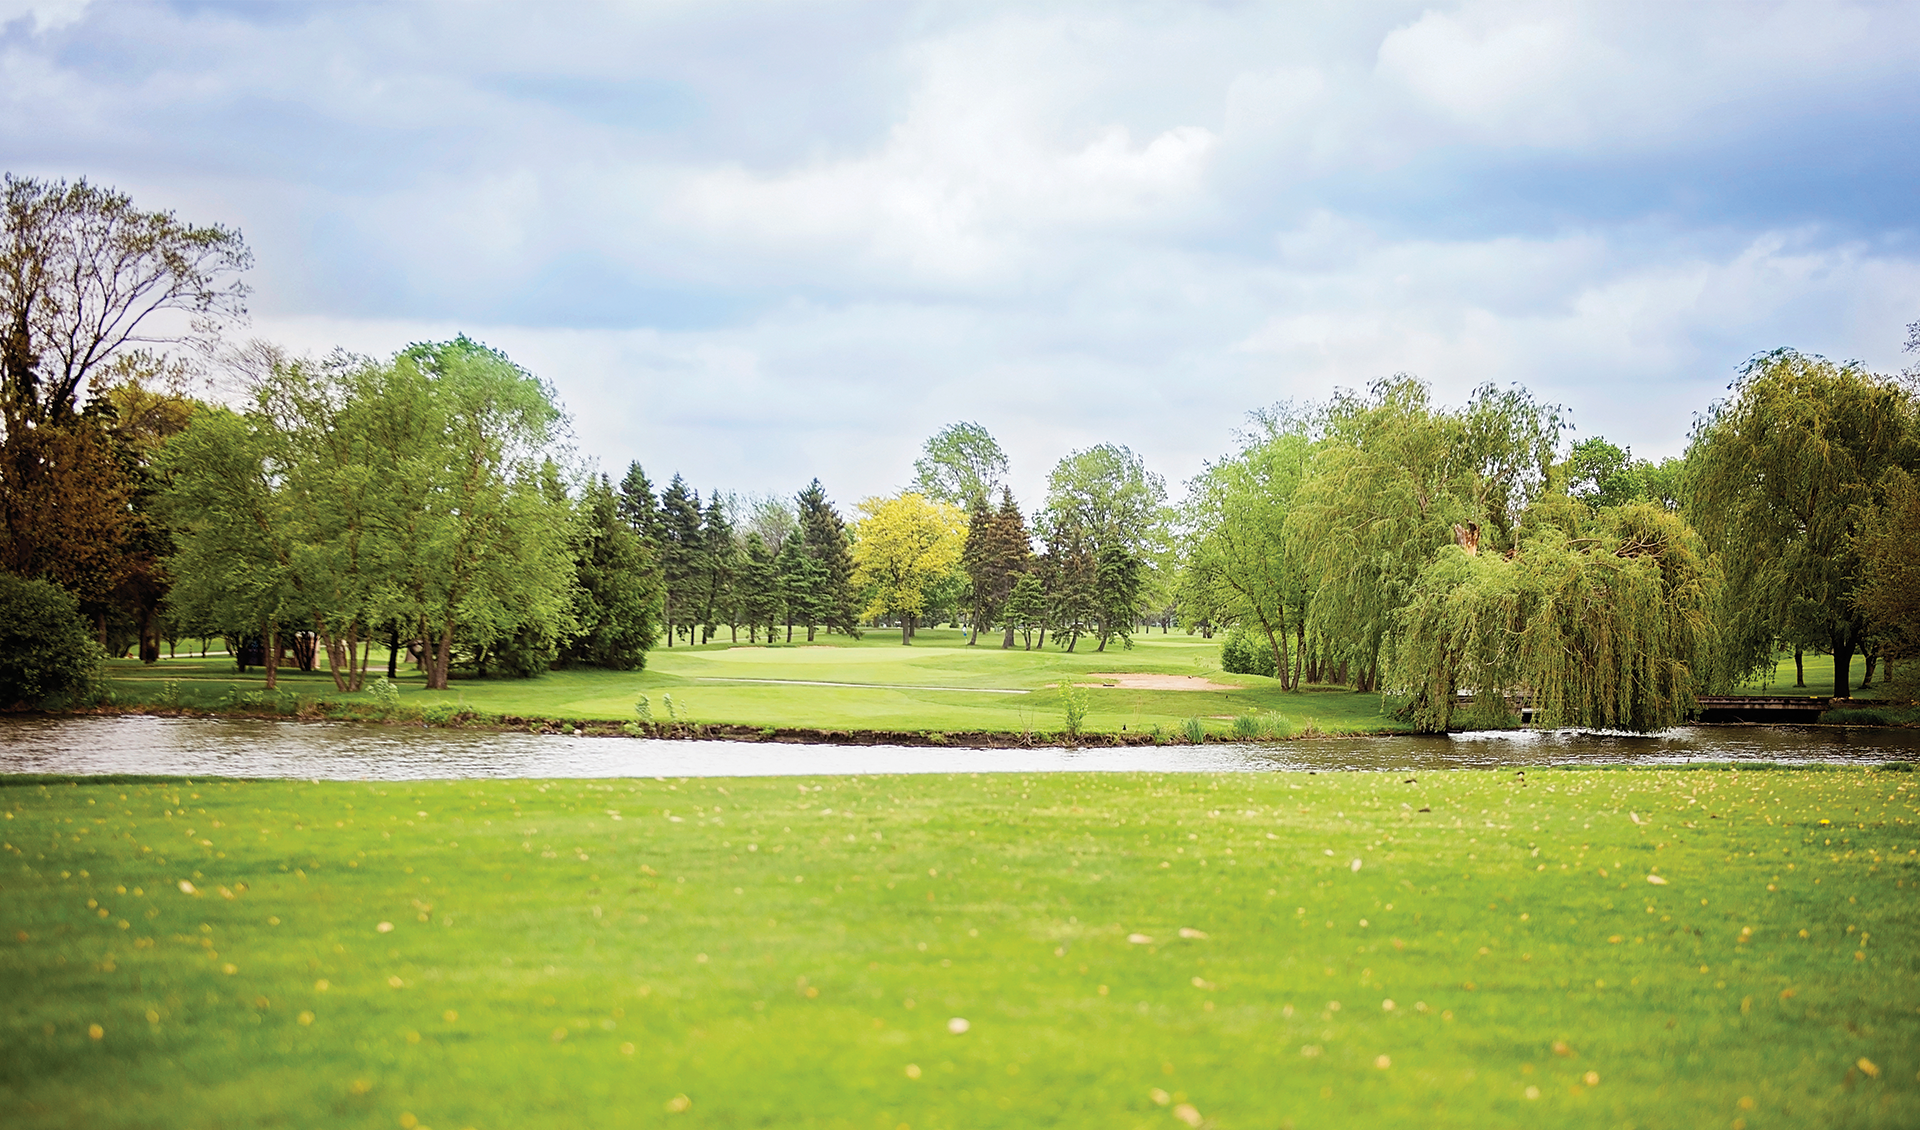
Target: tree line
x=1454 y=558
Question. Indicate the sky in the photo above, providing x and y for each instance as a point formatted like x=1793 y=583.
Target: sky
x=756 y=243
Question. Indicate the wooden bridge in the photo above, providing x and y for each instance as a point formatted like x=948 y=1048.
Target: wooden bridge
x=1761 y=708
x=1713 y=708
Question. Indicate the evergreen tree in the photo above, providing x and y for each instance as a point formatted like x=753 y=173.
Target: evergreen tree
x=824 y=537
x=804 y=584
x=637 y=505
x=760 y=592
x=721 y=566
x=616 y=606
x=681 y=554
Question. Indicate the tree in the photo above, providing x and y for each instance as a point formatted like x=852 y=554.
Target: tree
x=1785 y=469
x=1100 y=502
x=1239 y=566
x=997 y=552
x=1602 y=475
x=958 y=464
x=616 y=604
x=352 y=494
x=1391 y=481
x=637 y=506
x=760 y=590
x=1026 y=607
x=720 y=555
x=1608 y=625
x=1888 y=543
x=682 y=553
x=804 y=585
x=233 y=565
x=824 y=537
x=45 y=651
x=84 y=275
x=901 y=548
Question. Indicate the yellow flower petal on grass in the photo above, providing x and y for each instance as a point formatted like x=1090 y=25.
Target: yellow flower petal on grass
x=97 y=1032
x=678 y=1104
x=1867 y=1067
x=1186 y=1113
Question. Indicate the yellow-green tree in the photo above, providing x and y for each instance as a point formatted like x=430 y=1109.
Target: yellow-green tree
x=901 y=547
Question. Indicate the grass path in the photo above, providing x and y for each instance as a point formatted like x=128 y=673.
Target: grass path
x=1655 y=948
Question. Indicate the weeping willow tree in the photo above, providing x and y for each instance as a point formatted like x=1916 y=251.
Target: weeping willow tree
x=1603 y=625
x=1393 y=479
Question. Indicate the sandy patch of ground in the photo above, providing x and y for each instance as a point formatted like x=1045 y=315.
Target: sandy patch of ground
x=1157 y=683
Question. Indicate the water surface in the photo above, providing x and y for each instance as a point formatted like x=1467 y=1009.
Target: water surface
x=212 y=747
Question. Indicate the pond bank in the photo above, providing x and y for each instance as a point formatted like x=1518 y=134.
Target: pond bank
x=257 y=747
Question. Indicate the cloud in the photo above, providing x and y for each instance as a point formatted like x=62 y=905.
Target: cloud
x=758 y=242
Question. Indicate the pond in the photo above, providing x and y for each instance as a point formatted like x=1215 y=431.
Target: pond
x=212 y=747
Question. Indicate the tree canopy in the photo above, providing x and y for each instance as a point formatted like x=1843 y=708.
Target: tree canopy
x=1783 y=471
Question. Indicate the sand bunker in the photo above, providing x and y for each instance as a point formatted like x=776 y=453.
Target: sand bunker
x=1157 y=683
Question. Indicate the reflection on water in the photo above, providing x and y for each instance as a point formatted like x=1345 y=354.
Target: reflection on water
x=359 y=751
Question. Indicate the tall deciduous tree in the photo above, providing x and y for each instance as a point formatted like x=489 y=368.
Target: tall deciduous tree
x=1240 y=567
x=958 y=464
x=1392 y=481
x=84 y=275
x=901 y=548
x=1100 y=502
x=1784 y=471
x=1888 y=542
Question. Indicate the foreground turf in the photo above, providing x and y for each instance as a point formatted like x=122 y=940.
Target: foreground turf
x=1704 y=948
x=939 y=684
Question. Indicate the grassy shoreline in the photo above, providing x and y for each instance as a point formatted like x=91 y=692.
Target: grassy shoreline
x=939 y=692
x=1133 y=950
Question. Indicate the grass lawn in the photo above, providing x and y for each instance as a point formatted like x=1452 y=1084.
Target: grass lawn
x=1473 y=949
x=939 y=684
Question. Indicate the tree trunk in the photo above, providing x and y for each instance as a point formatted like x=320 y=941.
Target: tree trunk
x=1873 y=655
x=906 y=633
x=789 y=629
x=273 y=658
x=1006 y=644
x=1799 y=667
x=1300 y=654
x=393 y=650
x=810 y=628
x=1842 y=666
x=439 y=659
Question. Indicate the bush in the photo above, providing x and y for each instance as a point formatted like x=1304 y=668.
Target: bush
x=1245 y=653
x=45 y=649
x=1194 y=730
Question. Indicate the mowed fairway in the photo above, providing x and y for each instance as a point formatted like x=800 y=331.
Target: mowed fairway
x=1473 y=949
x=938 y=685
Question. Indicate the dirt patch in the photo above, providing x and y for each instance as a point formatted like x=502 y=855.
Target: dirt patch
x=1157 y=683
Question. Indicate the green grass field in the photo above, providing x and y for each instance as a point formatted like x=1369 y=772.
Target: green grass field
x=1646 y=948
x=939 y=684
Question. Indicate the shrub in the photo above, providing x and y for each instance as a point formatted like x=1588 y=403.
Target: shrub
x=644 y=709
x=386 y=694
x=1246 y=728
x=1245 y=653
x=1194 y=730
x=1074 y=700
x=45 y=648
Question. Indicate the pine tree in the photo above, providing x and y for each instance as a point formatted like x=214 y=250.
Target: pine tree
x=824 y=537
x=681 y=554
x=720 y=566
x=637 y=505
